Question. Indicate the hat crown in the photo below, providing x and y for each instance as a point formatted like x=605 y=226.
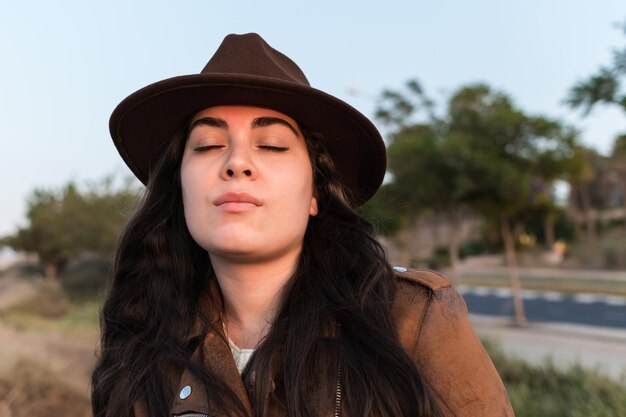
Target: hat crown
x=250 y=55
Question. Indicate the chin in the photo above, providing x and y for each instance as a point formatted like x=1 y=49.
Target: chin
x=246 y=253
x=232 y=250
x=240 y=255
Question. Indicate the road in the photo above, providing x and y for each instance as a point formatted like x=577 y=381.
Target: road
x=549 y=306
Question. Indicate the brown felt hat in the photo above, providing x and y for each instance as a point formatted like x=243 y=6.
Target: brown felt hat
x=245 y=70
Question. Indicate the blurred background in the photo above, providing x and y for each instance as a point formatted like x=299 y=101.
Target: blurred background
x=506 y=132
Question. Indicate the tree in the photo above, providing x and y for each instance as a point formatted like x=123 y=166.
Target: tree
x=582 y=175
x=424 y=175
x=398 y=109
x=550 y=165
x=64 y=223
x=605 y=86
x=428 y=177
x=506 y=157
x=484 y=155
x=618 y=164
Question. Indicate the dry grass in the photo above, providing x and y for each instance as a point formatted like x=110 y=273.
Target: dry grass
x=47 y=354
x=31 y=390
x=48 y=309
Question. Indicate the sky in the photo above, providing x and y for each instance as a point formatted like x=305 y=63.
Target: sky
x=65 y=65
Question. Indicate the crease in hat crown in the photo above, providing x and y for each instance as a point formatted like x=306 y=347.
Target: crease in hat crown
x=226 y=60
x=246 y=70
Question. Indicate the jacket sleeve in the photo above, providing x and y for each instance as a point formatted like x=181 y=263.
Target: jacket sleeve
x=453 y=362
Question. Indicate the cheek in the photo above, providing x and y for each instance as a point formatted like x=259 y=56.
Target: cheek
x=189 y=209
x=302 y=191
x=191 y=197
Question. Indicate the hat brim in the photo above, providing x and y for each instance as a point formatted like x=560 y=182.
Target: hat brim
x=146 y=119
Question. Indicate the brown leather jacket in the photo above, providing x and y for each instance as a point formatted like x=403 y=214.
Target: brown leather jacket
x=434 y=329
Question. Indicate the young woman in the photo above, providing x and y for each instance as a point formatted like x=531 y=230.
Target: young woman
x=246 y=284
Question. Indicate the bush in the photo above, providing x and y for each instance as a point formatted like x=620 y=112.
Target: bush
x=48 y=302
x=84 y=280
x=440 y=258
x=474 y=247
x=548 y=391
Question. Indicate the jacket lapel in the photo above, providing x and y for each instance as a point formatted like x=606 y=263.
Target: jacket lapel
x=191 y=395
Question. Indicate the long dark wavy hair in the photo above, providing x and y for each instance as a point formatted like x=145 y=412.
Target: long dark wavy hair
x=335 y=312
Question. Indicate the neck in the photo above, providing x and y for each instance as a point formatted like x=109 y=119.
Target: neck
x=251 y=295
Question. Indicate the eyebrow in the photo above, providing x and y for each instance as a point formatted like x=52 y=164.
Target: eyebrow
x=256 y=123
x=268 y=121
x=209 y=121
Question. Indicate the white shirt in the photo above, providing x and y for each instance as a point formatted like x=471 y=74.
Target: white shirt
x=241 y=356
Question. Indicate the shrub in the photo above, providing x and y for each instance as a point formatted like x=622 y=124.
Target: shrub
x=549 y=391
x=48 y=302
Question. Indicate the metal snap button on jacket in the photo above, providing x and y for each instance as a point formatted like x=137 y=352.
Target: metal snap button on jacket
x=185 y=392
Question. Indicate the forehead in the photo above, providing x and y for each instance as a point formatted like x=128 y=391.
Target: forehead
x=241 y=114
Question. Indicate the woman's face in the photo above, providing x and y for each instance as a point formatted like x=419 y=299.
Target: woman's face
x=247 y=183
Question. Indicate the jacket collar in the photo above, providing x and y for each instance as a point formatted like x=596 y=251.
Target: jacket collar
x=191 y=394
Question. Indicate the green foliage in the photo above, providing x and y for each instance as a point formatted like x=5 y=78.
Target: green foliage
x=398 y=109
x=424 y=174
x=385 y=210
x=549 y=391
x=65 y=223
x=484 y=155
x=619 y=148
x=476 y=247
x=85 y=279
x=440 y=258
x=605 y=86
x=589 y=172
x=601 y=87
x=563 y=224
x=507 y=158
x=470 y=248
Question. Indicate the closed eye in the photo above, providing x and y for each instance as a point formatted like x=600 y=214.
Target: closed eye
x=273 y=148
x=207 y=148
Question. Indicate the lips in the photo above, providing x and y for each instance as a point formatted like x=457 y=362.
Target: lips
x=234 y=198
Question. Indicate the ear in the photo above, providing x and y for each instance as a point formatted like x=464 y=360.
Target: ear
x=313 y=209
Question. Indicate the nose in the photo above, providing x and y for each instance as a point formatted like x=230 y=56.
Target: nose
x=238 y=164
x=231 y=172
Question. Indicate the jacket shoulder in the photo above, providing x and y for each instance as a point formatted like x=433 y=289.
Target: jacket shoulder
x=426 y=278
x=433 y=327
x=417 y=289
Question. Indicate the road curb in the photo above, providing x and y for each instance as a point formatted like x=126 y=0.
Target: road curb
x=574 y=331
x=582 y=298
